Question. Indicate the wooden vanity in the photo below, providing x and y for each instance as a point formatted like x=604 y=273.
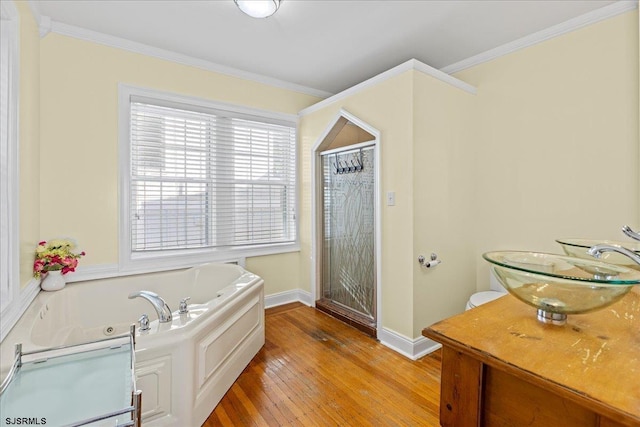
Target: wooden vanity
x=502 y=367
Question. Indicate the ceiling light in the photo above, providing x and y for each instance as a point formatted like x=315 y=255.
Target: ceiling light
x=258 y=8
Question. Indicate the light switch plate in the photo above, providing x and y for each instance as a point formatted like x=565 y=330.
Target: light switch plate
x=391 y=198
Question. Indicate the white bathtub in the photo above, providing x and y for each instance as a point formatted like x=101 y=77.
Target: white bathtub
x=183 y=368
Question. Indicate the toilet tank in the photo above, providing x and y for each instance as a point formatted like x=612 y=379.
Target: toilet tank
x=494 y=284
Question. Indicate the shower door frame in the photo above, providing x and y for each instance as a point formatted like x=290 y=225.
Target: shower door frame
x=317 y=206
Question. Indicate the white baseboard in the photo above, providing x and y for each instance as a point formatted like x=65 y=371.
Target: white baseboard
x=297 y=295
x=412 y=348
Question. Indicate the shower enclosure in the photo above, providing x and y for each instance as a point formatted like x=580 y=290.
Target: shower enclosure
x=348 y=272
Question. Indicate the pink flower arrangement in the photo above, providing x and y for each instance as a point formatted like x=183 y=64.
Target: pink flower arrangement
x=56 y=255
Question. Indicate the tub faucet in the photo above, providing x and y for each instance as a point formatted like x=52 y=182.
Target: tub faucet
x=597 y=250
x=163 y=310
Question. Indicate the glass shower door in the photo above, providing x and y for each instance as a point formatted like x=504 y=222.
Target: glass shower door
x=348 y=261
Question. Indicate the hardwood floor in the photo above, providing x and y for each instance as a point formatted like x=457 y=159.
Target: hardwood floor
x=317 y=371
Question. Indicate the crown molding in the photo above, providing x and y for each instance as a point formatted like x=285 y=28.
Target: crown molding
x=412 y=64
x=614 y=9
x=44 y=26
x=35 y=10
x=49 y=25
x=443 y=76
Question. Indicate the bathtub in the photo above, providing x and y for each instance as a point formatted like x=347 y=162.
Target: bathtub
x=184 y=367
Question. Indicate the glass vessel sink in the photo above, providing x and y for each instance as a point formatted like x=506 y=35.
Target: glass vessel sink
x=579 y=247
x=558 y=285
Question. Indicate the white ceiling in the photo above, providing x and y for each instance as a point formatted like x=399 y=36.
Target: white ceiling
x=327 y=45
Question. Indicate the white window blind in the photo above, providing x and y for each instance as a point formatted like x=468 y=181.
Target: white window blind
x=205 y=178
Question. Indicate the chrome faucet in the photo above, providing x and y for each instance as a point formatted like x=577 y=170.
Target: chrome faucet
x=629 y=232
x=184 y=307
x=163 y=310
x=597 y=251
x=144 y=323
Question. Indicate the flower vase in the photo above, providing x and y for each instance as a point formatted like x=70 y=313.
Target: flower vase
x=53 y=281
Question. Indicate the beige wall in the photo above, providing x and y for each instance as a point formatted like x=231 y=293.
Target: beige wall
x=79 y=139
x=423 y=139
x=444 y=176
x=548 y=148
x=29 y=140
x=557 y=137
x=281 y=273
x=387 y=107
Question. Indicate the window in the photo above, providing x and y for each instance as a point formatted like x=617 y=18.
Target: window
x=204 y=180
x=9 y=266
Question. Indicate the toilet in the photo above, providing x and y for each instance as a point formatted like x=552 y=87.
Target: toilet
x=484 y=297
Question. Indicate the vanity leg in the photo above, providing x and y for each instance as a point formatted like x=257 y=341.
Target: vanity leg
x=461 y=390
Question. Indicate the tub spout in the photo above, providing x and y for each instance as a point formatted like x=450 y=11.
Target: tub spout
x=597 y=250
x=163 y=310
